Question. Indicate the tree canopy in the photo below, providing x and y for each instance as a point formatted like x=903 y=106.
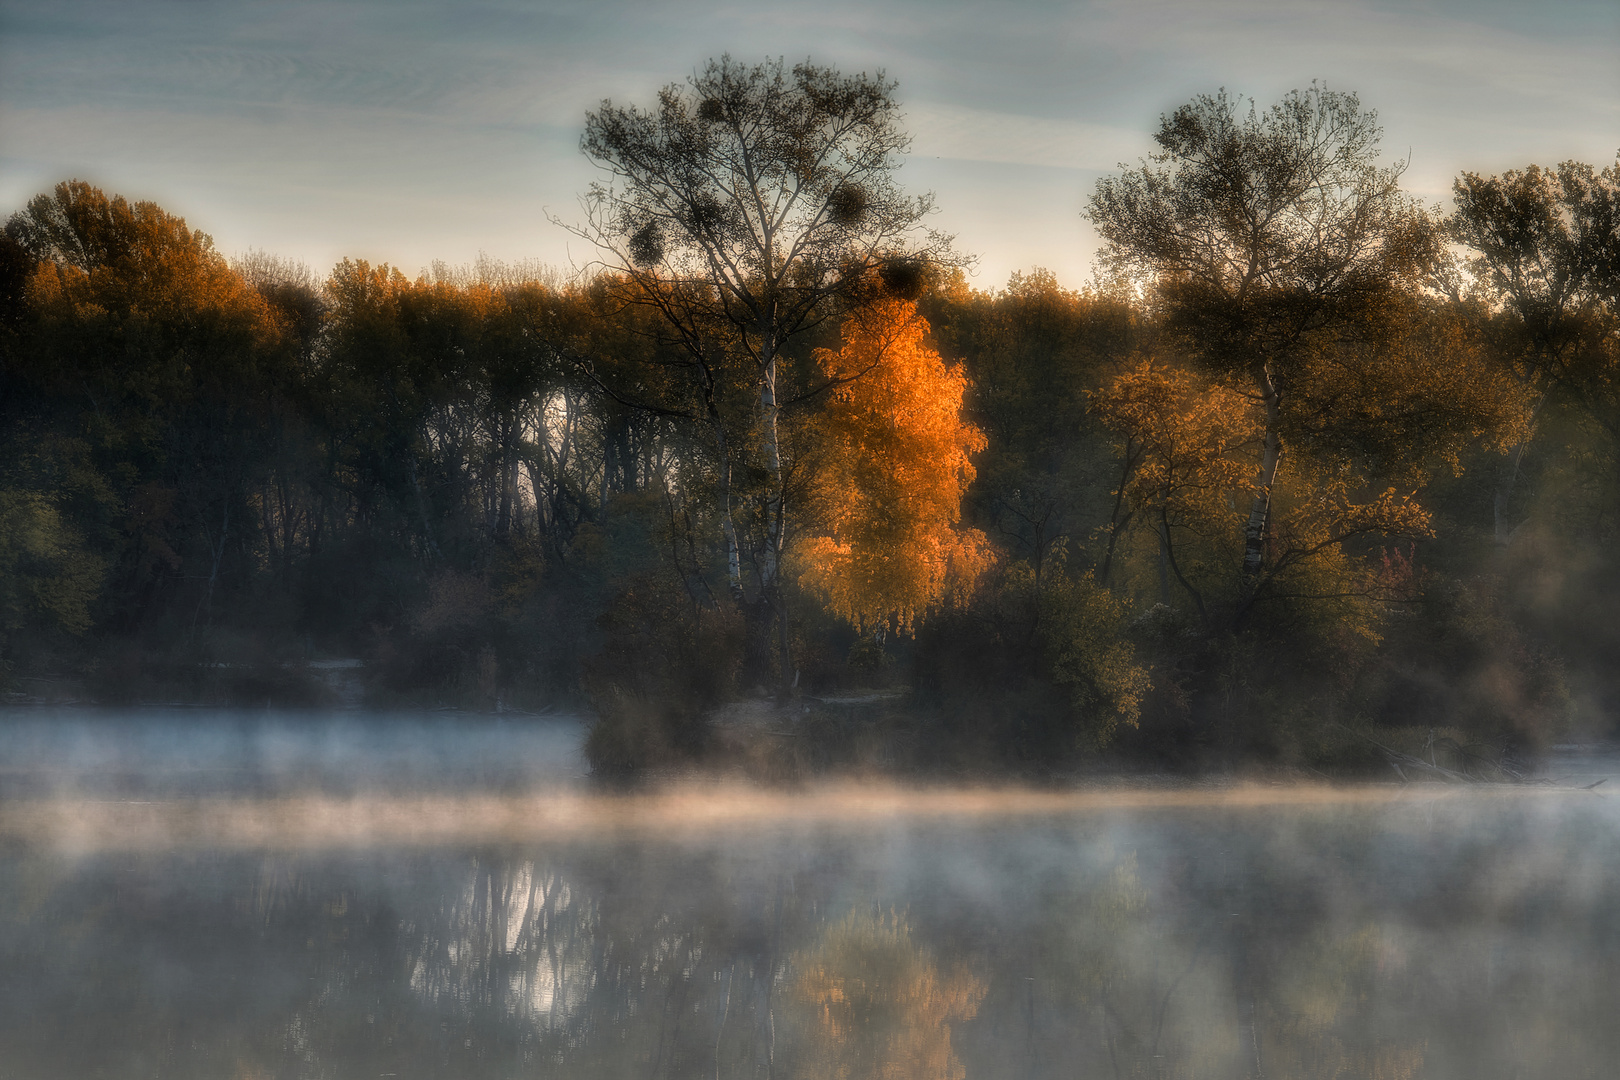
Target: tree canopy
x=752 y=204
x=1237 y=496
x=893 y=458
x=1268 y=237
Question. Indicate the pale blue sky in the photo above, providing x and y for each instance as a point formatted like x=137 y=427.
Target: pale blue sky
x=406 y=131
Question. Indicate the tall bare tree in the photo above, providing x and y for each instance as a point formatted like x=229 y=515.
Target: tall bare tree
x=748 y=205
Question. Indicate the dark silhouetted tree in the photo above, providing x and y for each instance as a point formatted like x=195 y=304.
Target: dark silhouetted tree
x=1544 y=250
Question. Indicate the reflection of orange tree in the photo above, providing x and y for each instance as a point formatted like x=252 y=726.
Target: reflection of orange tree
x=874 y=1004
x=1324 y=1017
x=893 y=463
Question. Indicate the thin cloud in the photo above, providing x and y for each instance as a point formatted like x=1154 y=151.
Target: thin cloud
x=949 y=131
x=375 y=128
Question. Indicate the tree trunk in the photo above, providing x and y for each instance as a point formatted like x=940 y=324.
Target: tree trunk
x=1508 y=479
x=770 y=587
x=507 y=478
x=728 y=527
x=1254 y=533
x=1164 y=559
x=773 y=465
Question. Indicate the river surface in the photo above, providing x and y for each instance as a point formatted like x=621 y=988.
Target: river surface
x=188 y=894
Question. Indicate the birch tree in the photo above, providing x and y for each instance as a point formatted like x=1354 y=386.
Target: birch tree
x=1268 y=237
x=893 y=462
x=747 y=206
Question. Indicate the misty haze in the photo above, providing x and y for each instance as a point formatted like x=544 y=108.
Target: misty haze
x=212 y=894
x=992 y=550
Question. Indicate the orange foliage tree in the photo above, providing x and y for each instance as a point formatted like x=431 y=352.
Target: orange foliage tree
x=170 y=366
x=892 y=459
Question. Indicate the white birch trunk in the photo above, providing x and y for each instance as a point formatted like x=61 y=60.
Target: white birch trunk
x=1254 y=532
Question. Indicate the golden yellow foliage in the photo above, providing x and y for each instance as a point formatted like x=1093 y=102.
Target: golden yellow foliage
x=1187 y=438
x=142 y=277
x=893 y=460
x=1189 y=450
x=877 y=1006
x=1321 y=507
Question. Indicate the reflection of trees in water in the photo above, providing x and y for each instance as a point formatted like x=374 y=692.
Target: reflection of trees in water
x=562 y=963
x=1323 y=1015
x=1211 y=950
x=516 y=938
x=696 y=972
x=1218 y=992
x=872 y=1003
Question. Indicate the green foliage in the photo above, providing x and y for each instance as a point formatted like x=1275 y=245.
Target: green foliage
x=1081 y=630
x=1043 y=666
x=48 y=577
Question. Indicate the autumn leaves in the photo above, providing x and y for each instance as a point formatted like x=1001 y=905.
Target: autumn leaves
x=1187 y=448
x=893 y=457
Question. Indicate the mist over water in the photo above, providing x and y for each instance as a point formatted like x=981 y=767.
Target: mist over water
x=177 y=751
x=244 y=895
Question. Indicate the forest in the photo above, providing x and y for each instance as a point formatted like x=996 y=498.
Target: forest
x=1310 y=474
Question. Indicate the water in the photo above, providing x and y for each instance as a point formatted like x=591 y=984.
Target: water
x=418 y=896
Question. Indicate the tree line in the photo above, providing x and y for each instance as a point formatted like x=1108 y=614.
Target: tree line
x=1307 y=457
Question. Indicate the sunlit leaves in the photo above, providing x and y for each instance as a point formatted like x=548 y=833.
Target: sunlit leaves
x=1187 y=447
x=1188 y=442
x=893 y=460
x=131 y=302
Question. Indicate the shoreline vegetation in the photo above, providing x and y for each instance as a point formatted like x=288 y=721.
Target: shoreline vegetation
x=1312 y=480
x=855 y=736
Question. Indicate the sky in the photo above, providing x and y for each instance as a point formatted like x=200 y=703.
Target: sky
x=407 y=131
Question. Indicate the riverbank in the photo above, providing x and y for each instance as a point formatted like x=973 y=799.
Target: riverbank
x=859 y=734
